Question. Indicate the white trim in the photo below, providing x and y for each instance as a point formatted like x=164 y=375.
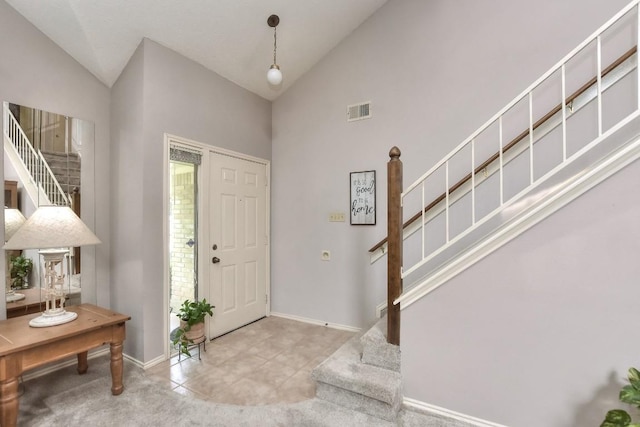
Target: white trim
x=149 y=364
x=103 y=351
x=199 y=146
x=380 y=308
x=65 y=363
x=426 y=408
x=316 y=322
x=267 y=230
x=532 y=216
x=203 y=231
x=166 y=352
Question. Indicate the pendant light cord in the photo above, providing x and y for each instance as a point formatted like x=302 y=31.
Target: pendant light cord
x=274 y=45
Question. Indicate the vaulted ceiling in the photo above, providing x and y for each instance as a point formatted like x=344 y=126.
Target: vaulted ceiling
x=230 y=37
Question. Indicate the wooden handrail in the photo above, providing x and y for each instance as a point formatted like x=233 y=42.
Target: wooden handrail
x=513 y=142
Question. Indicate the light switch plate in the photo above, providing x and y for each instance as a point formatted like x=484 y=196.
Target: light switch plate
x=337 y=217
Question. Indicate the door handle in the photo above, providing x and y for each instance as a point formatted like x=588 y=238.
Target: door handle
x=215 y=260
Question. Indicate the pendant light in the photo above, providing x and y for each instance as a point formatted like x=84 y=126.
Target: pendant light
x=274 y=75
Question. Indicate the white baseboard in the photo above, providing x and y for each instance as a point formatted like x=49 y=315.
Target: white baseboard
x=426 y=408
x=92 y=355
x=149 y=364
x=381 y=310
x=316 y=322
x=60 y=365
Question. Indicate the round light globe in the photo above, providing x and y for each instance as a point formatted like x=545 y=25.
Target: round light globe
x=274 y=75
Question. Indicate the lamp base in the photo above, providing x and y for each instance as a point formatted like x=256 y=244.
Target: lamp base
x=52 y=319
x=14 y=296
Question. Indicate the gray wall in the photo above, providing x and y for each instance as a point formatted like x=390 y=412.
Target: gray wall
x=37 y=73
x=167 y=93
x=434 y=71
x=541 y=332
x=185 y=99
x=127 y=154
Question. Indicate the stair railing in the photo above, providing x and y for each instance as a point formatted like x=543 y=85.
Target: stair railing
x=577 y=100
x=34 y=162
x=50 y=184
x=558 y=116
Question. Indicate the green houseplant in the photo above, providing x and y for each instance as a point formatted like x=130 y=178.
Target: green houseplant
x=21 y=267
x=629 y=394
x=191 y=314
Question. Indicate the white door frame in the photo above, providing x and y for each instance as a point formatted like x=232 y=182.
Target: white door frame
x=203 y=225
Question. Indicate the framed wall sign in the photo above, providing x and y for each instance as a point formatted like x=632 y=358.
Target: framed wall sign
x=363 y=198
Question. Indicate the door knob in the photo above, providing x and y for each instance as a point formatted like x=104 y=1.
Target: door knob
x=215 y=260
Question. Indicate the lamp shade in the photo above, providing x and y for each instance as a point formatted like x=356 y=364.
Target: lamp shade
x=274 y=75
x=13 y=220
x=52 y=227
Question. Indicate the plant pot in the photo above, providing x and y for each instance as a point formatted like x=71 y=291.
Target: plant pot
x=195 y=333
x=18 y=283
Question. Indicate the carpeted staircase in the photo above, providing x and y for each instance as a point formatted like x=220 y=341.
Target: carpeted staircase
x=363 y=375
x=66 y=168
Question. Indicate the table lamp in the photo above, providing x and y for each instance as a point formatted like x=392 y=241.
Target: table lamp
x=53 y=230
x=13 y=220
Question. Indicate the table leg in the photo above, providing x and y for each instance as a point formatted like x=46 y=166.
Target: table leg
x=82 y=363
x=116 y=368
x=9 y=402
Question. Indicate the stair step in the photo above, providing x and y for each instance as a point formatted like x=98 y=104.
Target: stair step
x=71 y=180
x=55 y=154
x=66 y=168
x=344 y=380
x=63 y=168
x=63 y=172
x=377 y=351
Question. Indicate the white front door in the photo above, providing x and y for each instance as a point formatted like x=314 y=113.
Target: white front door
x=238 y=242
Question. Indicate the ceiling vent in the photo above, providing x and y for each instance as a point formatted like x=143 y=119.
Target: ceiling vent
x=359 y=111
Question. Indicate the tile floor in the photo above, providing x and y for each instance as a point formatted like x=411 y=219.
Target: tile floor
x=267 y=362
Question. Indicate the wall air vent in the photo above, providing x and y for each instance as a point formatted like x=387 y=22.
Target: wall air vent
x=359 y=111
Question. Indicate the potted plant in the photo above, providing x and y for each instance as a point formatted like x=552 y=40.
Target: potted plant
x=629 y=394
x=191 y=314
x=21 y=267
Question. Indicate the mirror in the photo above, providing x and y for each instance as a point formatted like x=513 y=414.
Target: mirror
x=46 y=156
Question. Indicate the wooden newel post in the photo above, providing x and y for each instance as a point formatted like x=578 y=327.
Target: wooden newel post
x=394 y=244
x=75 y=206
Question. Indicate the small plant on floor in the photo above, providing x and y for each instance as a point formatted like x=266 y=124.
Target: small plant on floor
x=191 y=313
x=629 y=394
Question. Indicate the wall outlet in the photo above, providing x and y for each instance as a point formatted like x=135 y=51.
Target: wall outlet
x=325 y=255
x=337 y=217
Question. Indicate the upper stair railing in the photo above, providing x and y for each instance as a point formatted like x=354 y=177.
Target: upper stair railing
x=576 y=101
x=527 y=152
x=34 y=163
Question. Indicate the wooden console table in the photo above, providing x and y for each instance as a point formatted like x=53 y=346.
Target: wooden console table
x=23 y=347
